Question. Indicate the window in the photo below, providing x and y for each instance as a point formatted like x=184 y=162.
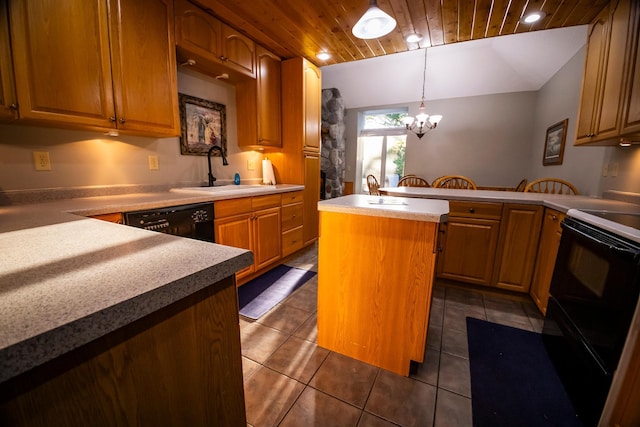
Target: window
x=381 y=147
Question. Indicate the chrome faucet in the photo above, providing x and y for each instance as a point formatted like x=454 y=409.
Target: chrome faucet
x=224 y=162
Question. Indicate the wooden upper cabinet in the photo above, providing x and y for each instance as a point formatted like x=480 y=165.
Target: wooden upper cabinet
x=301 y=104
x=313 y=106
x=608 y=99
x=96 y=64
x=215 y=47
x=8 y=101
x=259 y=104
x=238 y=51
x=144 y=66
x=62 y=62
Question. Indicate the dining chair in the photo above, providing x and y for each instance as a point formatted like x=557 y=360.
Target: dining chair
x=456 y=182
x=373 y=185
x=521 y=185
x=551 y=186
x=413 y=181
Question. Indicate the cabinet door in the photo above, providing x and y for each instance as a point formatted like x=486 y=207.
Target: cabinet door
x=236 y=231
x=517 y=245
x=469 y=247
x=595 y=55
x=62 y=66
x=110 y=217
x=269 y=99
x=631 y=112
x=238 y=51
x=197 y=31
x=546 y=258
x=8 y=101
x=312 y=106
x=144 y=66
x=267 y=237
x=608 y=111
x=311 y=197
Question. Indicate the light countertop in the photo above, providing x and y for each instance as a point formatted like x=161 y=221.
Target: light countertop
x=66 y=279
x=389 y=207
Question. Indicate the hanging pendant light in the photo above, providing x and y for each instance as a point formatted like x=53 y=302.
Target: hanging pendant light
x=374 y=23
x=423 y=121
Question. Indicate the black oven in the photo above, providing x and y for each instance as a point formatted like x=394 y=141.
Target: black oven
x=593 y=296
x=194 y=221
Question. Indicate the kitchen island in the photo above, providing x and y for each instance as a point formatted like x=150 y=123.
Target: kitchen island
x=104 y=324
x=376 y=261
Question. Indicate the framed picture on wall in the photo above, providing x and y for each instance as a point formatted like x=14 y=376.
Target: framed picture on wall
x=202 y=124
x=554 y=143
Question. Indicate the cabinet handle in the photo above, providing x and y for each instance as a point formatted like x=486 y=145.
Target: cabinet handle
x=122 y=120
x=112 y=118
x=13 y=107
x=223 y=58
x=553 y=217
x=591 y=135
x=471 y=210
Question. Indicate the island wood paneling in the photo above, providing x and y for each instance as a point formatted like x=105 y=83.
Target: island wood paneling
x=375 y=282
x=178 y=366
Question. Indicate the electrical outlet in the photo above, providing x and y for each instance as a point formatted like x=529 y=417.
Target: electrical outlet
x=41 y=160
x=153 y=163
x=251 y=165
x=614 y=169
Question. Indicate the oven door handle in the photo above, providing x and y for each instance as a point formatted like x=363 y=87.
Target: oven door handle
x=619 y=251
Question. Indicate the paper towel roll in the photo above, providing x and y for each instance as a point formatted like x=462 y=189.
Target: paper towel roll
x=268 y=177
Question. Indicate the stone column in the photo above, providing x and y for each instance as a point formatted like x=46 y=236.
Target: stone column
x=333 y=142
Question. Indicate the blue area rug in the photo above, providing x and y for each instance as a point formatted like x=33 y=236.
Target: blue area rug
x=259 y=295
x=513 y=381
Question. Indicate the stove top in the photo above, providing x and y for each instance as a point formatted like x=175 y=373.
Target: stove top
x=629 y=219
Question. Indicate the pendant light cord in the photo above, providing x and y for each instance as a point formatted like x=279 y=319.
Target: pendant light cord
x=424 y=74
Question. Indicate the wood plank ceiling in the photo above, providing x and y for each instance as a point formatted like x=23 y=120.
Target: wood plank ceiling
x=291 y=28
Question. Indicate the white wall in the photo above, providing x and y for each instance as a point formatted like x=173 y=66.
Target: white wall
x=559 y=99
x=82 y=158
x=499 y=139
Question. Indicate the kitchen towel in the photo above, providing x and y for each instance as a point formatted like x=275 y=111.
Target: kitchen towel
x=268 y=177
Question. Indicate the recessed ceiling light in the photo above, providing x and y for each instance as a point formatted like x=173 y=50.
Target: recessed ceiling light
x=532 y=17
x=413 y=38
x=323 y=56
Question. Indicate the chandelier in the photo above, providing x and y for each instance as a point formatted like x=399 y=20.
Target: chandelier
x=423 y=121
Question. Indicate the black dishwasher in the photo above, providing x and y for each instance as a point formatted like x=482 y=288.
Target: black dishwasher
x=194 y=221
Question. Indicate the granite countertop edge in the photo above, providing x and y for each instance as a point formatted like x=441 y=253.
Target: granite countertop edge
x=25 y=346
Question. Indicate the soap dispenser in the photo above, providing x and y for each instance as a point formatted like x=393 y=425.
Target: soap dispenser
x=236 y=179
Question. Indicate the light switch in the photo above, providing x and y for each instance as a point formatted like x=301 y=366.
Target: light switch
x=251 y=165
x=153 y=163
x=614 y=169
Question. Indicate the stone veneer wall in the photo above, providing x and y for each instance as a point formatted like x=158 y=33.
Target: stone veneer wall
x=333 y=142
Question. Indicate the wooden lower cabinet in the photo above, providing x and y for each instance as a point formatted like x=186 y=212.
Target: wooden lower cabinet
x=311 y=197
x=490 y=244
x=181 y=365
x=292 y=215
x=469 y=242
x=251 y=223
x=110 y=217
x=517 y=246
x=546 y=258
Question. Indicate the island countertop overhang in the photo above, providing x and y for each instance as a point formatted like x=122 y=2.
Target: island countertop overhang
x=429 y=210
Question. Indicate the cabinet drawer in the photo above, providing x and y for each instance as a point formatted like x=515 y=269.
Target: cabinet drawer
x=291 y=241
x=291 y=216
x=475 y=209
x=263 y=202
x=292 y=197
x=224 y=208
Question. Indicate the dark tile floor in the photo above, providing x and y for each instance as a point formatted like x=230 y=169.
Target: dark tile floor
x=290 y=381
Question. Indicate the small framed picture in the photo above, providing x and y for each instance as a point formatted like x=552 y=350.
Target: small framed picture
x=202 y=125
x=554 y=143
